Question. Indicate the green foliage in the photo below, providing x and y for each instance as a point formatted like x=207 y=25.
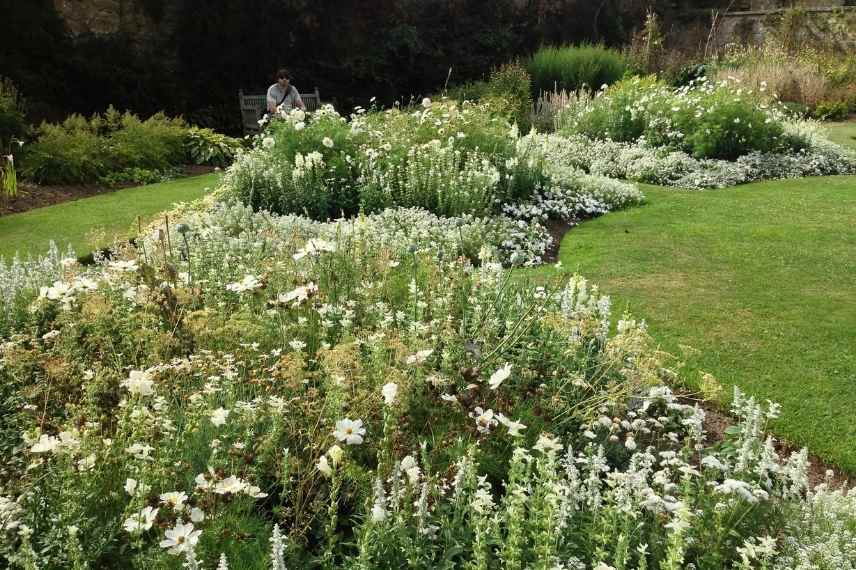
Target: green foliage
x=831 y=111
x=705 y=120
x=68 y=153
x=134 y=176
x=116 y=147
x=574 y=67
x=204 y=146
x=12 y=121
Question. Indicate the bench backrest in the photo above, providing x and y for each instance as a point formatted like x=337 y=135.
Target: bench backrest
x=252 y=105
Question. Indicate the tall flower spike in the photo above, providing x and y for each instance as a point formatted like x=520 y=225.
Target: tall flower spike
x=277 y=549
x=224 y=564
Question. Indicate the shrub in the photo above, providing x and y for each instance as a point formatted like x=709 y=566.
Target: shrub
x=205 y=146
x=81 y=150
x=707 y=120
x=574 y=67
x=68 y=153
x=155 y=144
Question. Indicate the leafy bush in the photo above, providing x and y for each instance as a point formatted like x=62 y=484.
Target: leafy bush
x=137 y=177
x=68 y=153
x=574 y=67
x=81 y=150
x=205 y=146
x=704 y=119
x=155 y=144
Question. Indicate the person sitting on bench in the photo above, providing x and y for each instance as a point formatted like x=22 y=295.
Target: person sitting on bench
x=283 y=94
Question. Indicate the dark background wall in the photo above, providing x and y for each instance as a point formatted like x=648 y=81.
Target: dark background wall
x=190 y=57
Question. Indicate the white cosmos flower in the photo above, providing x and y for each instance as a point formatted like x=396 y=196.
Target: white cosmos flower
x=499 y=376
x=513 y=426
x=378 y=513
x=230 y=485
x=328 y=142
x=268 y=142
x=219 y=416
x=142 y=521
x=130 y=486
x=350 y=431
x=484 y=419
x=390 y=390
x=299 y=126
x=139 y=383
x=181 y=538
x=141 y=451
x=197 y=515
x=297 y=296
x=174 y=499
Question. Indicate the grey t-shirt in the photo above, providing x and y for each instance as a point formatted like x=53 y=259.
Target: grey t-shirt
x=290 y=100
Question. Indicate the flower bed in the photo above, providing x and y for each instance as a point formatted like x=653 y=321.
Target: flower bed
x=266 y=392
x=703 y=136
x=249 y=387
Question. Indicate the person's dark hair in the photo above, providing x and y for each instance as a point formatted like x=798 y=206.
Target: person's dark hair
x=283 y=74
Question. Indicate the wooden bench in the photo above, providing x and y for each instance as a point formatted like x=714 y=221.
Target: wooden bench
x=252 y=105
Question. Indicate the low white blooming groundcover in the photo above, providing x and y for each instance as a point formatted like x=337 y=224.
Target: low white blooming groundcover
x=243 y=389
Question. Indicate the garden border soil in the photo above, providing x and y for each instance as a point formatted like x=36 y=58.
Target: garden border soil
x=32 y=196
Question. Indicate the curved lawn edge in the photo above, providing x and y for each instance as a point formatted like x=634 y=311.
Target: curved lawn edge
x=90 y=223
x=752 y=284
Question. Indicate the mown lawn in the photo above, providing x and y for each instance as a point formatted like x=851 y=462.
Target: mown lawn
x=95 y=222
x=843 y=133
x=760 y=282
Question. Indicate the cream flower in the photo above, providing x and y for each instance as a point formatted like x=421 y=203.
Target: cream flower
x=219 y=416
x=350 y=431
x=139 y=383
x=389 y=391
x=181 y=538
x=499 y=376
x=142 y=521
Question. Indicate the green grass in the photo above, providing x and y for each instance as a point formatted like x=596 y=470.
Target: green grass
x=759 y=279
x=95 y=222
x=843 y=133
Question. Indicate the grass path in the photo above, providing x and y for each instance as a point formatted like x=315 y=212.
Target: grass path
x=759 y=280
x=843 y=133
x=94 y=222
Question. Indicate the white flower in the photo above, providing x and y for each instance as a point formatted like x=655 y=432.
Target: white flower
x=328 y=142
x=351 y=432
x=46 y=444
x=174 y=499
x=390 y=390
x=298 y=295
x=324 y=466
x=248 y=283
x=297 y=115
x=335 y=452
x=268 y=142
x=219 y=416
x=299 y=126
x=141 y=521
x=314 y=247
x=181 y=538
x=449 y=397
x=378 y=513
x=141 y=451
x=499 y=376
x=230 y=485
x=513 y=426
x=139 y=383
x=197 y=515
x=546 y=444
x=419 y=357
x=125 y=266
x=130 y=486
x=484 y=419
x=426 y=102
